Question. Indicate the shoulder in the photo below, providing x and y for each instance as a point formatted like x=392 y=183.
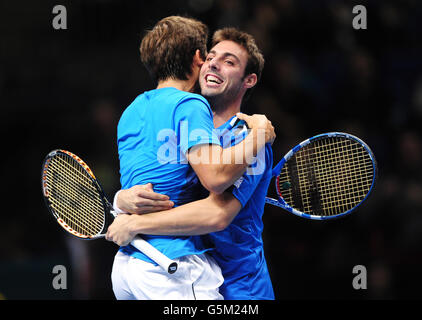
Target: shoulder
x=137 y=102
x=193 y=98
x=132 y=109
x=192 y=103
x=169 y=97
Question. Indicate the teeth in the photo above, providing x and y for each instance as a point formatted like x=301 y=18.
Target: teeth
x=211 y=78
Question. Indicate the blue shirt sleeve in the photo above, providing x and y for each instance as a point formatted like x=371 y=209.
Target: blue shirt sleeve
x=194 y=123
x=246 y=185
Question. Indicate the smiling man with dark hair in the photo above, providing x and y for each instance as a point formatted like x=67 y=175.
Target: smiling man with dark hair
x=173 y=53
x=231 y=221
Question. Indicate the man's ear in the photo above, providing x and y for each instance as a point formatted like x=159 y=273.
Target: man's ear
x=250 y=80
x=197 y=58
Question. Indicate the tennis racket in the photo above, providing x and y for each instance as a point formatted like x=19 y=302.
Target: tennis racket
x=76 y=200
x=324 y=177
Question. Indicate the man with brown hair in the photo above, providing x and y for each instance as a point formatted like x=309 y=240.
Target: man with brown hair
x=167 y=50
x=233 y=218
x=171 y=113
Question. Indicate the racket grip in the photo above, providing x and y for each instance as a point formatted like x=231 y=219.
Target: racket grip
x=167 y=264
x=147 y=249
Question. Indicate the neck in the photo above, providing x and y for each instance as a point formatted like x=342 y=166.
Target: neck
x=222 y=115
x=183 y=85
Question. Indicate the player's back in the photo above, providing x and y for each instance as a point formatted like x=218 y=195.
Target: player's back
x=153 y=138
x=149 y=142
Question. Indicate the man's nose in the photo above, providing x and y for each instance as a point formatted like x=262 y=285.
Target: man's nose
x=214 y=65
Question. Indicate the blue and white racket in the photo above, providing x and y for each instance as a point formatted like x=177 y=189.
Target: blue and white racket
x=324 y=177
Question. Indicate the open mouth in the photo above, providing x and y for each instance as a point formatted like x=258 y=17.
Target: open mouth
x=213 y=79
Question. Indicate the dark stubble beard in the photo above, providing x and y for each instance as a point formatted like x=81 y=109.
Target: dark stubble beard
x=220 y=102
x=216 y=102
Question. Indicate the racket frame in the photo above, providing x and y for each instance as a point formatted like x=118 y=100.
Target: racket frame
x=169 y=265
x=107 y=206
x=280 y=202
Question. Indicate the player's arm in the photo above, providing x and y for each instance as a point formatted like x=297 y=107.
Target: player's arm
x=211 y=214
x=219 y=168
x=141 y=199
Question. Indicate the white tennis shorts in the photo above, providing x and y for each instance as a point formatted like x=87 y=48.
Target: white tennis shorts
x=198 y=277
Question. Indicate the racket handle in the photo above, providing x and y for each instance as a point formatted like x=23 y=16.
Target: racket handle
x=146 y=248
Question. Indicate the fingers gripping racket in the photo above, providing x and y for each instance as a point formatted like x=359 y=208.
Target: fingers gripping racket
x=324 y=177
x=78 y=203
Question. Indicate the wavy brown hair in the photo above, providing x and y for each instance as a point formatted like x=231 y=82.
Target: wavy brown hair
x=168 y=49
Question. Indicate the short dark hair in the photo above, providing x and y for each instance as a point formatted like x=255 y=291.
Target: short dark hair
x=256 y=60
x=168 y=49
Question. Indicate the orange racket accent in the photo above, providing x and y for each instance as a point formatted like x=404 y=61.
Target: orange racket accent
x=69 y=229
x=81 y=162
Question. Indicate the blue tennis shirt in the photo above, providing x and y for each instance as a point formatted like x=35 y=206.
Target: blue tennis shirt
x=239 y=249
x=153 y=135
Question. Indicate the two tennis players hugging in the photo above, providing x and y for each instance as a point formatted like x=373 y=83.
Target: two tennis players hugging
x=200 y=200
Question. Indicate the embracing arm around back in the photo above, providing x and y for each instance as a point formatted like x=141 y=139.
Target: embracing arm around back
x=204 y=216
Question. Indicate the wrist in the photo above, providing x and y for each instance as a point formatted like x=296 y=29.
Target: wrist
x=134 y=226
x=116 y=204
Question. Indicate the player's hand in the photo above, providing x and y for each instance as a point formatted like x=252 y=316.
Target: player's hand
x=260 y=123
x=142 y=199
x=119 y=231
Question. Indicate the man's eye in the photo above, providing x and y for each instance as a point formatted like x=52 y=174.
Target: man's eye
x=230 y=63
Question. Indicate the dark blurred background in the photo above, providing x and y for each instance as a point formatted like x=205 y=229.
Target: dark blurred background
x=67 y=88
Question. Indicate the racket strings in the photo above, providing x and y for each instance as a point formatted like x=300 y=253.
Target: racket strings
x=73 y=196
x=347 y=182
x=332 y=175
x=67 y=196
